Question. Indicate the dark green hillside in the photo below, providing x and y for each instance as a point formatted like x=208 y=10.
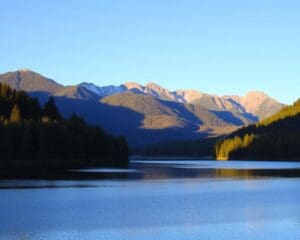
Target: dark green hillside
x=31 y=135
x=277 y=137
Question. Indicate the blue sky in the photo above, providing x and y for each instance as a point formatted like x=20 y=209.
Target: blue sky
x=215 y=46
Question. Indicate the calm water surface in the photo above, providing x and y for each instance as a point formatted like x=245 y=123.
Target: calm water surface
x=158 y=200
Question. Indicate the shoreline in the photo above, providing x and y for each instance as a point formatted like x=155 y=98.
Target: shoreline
x=169 y=157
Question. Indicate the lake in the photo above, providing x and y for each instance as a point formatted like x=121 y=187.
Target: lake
x=157 y=200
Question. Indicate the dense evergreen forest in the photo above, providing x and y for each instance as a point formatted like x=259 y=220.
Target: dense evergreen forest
x=277 y=137
x=191 y=148
x=31 y=135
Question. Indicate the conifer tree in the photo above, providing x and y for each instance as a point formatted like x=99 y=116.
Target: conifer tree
x=15 y=116
x=50 y=110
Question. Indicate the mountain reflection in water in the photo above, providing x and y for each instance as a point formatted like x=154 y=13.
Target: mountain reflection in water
x=180 y=169
x=151 y=170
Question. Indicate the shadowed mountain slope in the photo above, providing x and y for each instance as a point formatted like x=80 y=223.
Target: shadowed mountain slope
x=119 y=120
x=77 y=92
x=156 y=111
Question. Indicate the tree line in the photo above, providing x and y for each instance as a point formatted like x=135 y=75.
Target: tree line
x=200 y=148
x=277 y=137
x=31 y=134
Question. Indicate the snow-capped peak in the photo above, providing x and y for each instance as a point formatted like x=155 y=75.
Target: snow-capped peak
x=103 y=91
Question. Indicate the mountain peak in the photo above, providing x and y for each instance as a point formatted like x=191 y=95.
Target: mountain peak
x=257 y=94
x=189 y=95
x=87 y=84
x=25 y=70
x=254 y=98
x=153 y=85
x=102 y=91
x=132 y=85
x=30 y=81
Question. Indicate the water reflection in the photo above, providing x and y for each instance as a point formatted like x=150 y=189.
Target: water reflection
x=165 y=170
x=178 y=170
x=197 y=201
x=235 y=173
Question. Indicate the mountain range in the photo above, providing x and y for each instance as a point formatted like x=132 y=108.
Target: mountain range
x=148 y=114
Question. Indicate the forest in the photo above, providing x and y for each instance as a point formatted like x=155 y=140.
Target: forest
x=35 y=135
x=275 y=138
x=190 y=148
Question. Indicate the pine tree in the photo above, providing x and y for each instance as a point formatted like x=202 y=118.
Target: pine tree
x=15 y=116
x=50 y=110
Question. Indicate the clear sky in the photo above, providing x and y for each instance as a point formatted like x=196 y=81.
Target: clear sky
x=215 y=46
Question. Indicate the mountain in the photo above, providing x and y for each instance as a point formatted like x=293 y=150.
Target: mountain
x=150 y=113
x=188 y=96
x=77 y=92
x=30 y=81
x=253 y=103
x=256 y=103
x=159 y=114
x=103 y=91
x=276 y=137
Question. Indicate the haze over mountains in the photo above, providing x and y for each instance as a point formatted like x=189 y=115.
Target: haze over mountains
x=148 y=114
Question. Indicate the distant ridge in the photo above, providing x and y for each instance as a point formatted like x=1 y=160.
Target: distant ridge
x=256 y=103
x=136 y=111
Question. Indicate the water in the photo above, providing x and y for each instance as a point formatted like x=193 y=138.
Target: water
x=158 y=200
